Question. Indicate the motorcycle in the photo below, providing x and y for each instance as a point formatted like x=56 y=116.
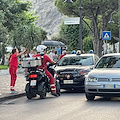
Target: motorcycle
x=38 y=82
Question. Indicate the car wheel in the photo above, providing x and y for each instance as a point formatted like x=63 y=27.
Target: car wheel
x=89 y=97
x=58 y=88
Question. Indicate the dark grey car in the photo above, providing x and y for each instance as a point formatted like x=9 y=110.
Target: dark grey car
x=72 y=68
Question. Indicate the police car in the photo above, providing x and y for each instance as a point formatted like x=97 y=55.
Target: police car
x=72 y=68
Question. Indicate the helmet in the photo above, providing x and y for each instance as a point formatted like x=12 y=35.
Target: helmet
x=41 y=48
x=73 y=52
x=64 y=52
x=91 y=51
x=78 y=52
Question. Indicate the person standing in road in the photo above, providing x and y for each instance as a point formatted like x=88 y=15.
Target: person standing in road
x=55 y=57
x=64 y=53
x=52 y=53
x=26 y=56
x=13 y=68
x=31 y=53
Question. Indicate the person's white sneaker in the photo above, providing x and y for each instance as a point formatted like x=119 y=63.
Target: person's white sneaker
x=13 y=92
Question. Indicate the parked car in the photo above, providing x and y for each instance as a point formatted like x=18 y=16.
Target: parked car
x=72 y=68
x=104 y=79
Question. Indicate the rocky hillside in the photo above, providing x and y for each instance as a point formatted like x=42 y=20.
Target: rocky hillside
x=49 y=17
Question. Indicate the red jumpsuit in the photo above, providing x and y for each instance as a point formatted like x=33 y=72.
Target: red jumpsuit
x=45 y=60
x=62 y=56
x=13 y=70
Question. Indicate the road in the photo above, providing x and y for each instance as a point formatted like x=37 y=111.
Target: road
x=69 y=106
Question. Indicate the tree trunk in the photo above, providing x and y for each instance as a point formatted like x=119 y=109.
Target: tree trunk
x=104 y=22
x=95 y=37
x=3 y=54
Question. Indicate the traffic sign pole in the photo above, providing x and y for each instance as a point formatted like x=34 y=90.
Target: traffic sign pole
x=106 y=47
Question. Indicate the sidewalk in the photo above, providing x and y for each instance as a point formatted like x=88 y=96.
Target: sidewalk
x=5 y=84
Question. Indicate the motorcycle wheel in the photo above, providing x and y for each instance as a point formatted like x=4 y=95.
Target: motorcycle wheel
x=58 y=88
x=29 y=94
x=43 y=92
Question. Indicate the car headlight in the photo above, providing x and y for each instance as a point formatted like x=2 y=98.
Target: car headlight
x=91 y=79
x=83 y=72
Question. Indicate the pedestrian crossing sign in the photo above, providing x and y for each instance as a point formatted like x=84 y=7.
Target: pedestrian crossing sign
x=106 y=35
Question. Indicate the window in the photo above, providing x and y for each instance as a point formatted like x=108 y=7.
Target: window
x=76 y=60
x=109 y=62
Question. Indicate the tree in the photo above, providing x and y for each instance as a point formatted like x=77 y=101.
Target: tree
x=3 y=38
x=114 y=28
x=28 y=36
x=9 y=13
x=98 y=11
x=88 y=44
x=15 y=16
x=12 y=11
x=70 y=35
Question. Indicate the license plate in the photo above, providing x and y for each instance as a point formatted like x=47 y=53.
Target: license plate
x=109 y=86
x=68 y=81
x=33 y=83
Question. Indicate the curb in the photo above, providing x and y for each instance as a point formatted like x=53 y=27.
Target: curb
x=11 y=97
x=6 y=96
x=6 y=72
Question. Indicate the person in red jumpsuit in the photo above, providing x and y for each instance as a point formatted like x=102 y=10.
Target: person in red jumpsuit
x=42 y=51
x=64 y=53
x=13 y=68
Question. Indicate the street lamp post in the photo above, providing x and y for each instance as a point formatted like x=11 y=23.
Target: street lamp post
x=111 y=20
x=119 y=22
x=80 y=28
x=80 y=23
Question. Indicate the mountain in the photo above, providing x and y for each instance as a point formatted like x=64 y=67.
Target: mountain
x=49 y=18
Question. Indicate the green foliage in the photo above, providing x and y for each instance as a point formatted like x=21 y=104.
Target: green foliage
x=87 y=44
x=58 y=38
x=12 y=10
x=17 y=26
x=3 y=33
x=3 y=67
x=98 y=11
x=28 y=36
x=114 y=28
x=70 y=35
x=19 y=22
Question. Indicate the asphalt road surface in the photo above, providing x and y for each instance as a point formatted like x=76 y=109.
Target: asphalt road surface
x=69 y=106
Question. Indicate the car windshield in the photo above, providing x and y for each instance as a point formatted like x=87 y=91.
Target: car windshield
x=108 y=62
x=76 y=60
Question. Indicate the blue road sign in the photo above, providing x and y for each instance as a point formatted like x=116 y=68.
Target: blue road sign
x=106 y=35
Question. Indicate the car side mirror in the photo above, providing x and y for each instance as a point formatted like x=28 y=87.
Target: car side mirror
x=92 y=67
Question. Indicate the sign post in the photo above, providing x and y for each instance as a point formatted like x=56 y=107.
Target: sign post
x=106 y=35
